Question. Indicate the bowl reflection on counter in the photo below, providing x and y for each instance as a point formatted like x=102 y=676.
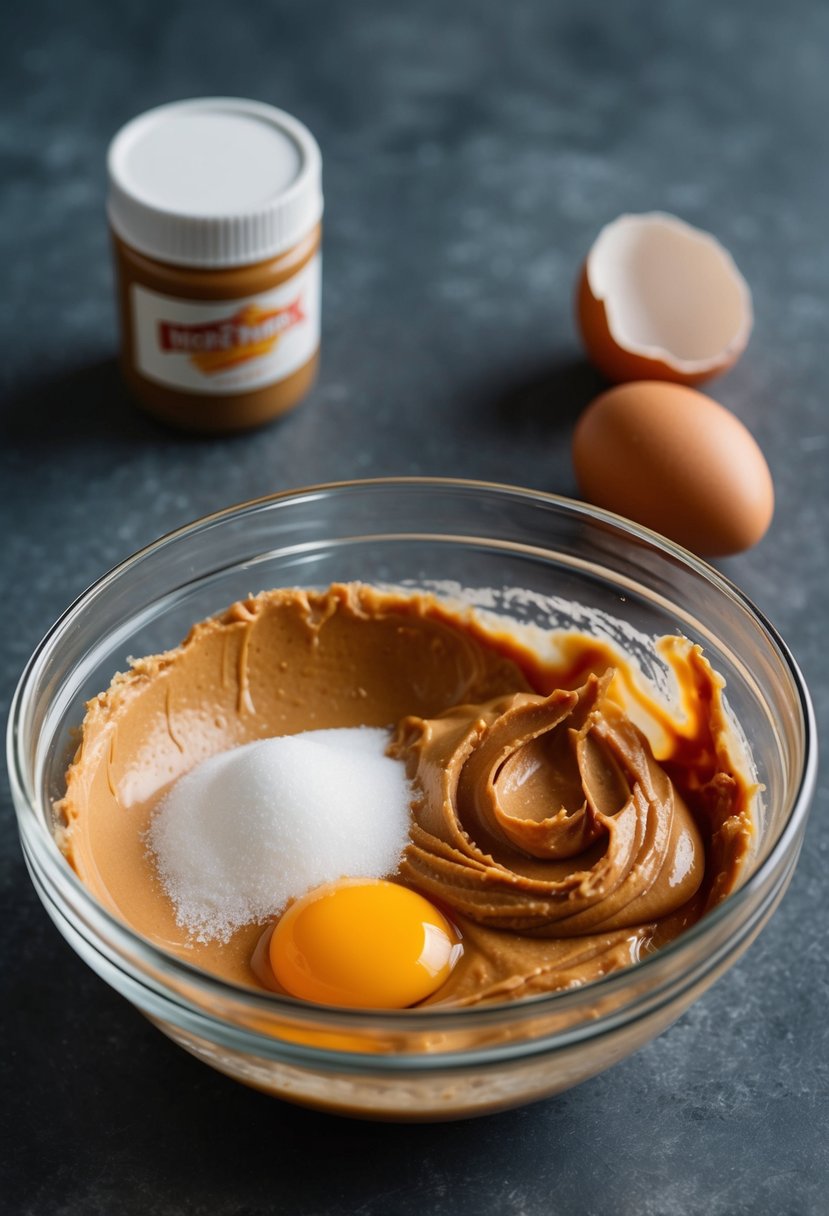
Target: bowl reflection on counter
x=545 y=561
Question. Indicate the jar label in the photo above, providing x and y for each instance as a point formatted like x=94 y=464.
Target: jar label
x=216 y=346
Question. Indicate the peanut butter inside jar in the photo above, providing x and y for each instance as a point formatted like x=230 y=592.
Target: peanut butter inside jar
x=215 y=209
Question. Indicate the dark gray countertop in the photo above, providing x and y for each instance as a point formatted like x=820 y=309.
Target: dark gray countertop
x=471 y=153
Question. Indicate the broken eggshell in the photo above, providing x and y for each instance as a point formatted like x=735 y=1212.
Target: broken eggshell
x=661 y=300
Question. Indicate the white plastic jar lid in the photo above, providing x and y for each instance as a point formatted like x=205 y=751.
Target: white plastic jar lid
x=214 y=182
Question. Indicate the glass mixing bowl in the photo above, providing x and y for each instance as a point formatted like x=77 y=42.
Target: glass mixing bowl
x=527 y=556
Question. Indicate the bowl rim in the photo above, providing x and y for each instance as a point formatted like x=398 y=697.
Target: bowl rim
x=34 y=829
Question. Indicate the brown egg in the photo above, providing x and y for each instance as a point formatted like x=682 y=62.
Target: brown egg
x=660 y=300
x=677 y=462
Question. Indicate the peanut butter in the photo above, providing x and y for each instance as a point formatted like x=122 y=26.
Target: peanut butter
x=215 y=210
x=544 y=825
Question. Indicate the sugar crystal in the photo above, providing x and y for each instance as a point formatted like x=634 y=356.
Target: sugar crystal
x=256 y=826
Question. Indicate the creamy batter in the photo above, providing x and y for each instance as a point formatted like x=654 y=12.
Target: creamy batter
x=543 y=826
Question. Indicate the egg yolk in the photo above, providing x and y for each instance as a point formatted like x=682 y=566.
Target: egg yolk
x=366 y=943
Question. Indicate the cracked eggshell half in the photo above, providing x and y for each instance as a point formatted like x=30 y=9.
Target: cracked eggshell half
x=661 y=300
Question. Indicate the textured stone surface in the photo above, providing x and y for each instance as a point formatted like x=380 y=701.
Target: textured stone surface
x=471 y=151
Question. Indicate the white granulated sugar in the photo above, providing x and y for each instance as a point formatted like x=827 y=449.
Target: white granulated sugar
x=253 y=827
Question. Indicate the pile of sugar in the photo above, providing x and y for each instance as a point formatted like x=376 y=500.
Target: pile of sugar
x=251 y=828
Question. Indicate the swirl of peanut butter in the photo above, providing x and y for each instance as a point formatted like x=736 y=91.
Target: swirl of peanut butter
x=547 y=816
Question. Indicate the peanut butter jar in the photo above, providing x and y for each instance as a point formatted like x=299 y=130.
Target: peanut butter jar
x=215 y=209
